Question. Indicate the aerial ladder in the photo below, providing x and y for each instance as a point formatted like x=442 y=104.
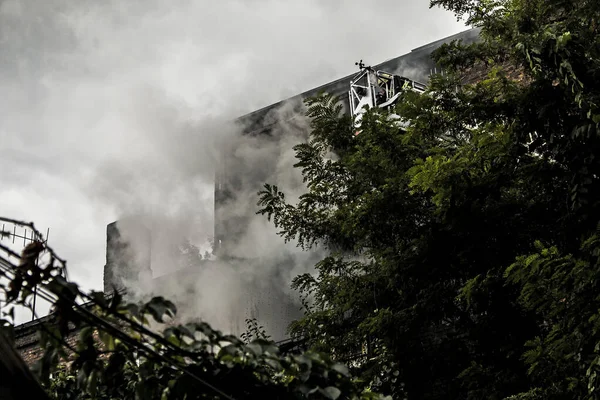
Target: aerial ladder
x=377 y=89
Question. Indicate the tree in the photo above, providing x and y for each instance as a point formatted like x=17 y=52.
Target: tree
x=463 y=249
x=133 y=351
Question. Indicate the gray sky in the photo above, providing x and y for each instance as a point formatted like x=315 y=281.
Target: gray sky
x=111 y=107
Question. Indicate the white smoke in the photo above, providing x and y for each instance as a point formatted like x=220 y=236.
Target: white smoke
x=254 y=282
x=116 y=108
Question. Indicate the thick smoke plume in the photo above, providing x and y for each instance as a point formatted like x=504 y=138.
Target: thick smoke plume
x=251 y=276
x=114 y=108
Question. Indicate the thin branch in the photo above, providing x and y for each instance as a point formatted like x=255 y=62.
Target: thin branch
x=94 y=320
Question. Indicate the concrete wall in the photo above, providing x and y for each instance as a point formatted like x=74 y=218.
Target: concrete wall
x=126 y=263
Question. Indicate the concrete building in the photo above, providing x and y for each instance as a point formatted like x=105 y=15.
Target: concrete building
x=241 y=242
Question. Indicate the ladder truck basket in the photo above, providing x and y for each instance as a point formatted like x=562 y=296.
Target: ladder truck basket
x=377 y=89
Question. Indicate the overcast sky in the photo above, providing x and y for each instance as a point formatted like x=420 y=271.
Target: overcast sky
x=105 y=106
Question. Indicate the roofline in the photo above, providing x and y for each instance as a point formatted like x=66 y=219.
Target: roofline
x=446 y=39
x=316 y=89
x=21 y=330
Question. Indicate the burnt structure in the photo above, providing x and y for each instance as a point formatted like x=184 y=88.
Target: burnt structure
x=249 y=162
x=125 y=264
x=128 y=264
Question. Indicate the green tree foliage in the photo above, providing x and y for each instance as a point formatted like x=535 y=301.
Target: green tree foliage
x=254 y=331
x=135 y=351
x=463 y=249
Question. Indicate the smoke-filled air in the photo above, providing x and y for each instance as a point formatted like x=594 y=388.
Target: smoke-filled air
x=125 y=110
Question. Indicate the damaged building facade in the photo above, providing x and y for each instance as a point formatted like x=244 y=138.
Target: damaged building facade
x=238 y=248
x=237 y=242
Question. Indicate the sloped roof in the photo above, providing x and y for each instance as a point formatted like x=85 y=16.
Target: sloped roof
x=415 y=65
